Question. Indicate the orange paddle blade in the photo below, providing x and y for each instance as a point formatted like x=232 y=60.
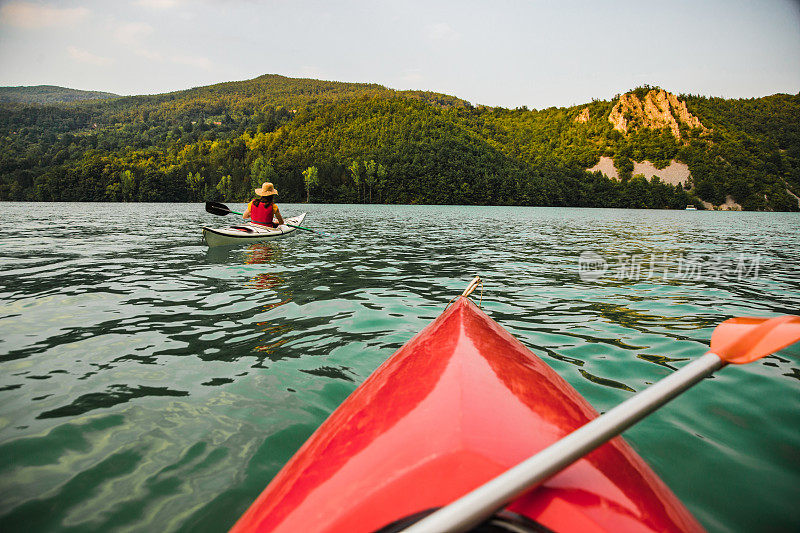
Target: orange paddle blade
x=745 y=339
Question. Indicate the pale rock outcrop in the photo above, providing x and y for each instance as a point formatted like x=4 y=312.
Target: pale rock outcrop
x=676 y=173
x=794 y=196
x=729 y=205
x=606 y=166
x=658 y=109
x=583 y=117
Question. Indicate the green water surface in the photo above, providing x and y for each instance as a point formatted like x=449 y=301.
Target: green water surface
x=148 y=383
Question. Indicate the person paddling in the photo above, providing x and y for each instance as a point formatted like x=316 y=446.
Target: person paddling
x=262 y=210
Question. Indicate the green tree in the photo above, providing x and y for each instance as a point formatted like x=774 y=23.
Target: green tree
x=113 y=192
x=225 y=188
x=260 y=172
x=311 y=178
x=381 y=174
x=357 y=173
x=196 y=185
x=370 y=177
x=127 y=184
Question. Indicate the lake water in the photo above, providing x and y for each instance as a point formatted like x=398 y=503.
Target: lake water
x=149 y=383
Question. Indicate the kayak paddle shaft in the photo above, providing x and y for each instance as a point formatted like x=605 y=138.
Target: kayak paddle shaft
x=308 y=229
x=478 y=505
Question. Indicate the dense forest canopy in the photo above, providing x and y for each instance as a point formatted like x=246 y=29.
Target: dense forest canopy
x=49 y=94
x=346 y=142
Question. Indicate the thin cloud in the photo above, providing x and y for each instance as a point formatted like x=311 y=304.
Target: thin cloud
x=133 y=34
x=442 y=31
x=158 y=5
x=310 y=71
x=27 y=15
x=149 y=54
x=192 y=61
x=84 y=56
x=412 y=77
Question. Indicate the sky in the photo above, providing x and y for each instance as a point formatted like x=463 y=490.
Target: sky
x=509 y=53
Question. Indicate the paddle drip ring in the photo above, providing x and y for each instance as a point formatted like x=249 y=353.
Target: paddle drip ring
x=469 y=290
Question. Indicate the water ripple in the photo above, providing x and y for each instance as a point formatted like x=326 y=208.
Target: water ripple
x=151 y=383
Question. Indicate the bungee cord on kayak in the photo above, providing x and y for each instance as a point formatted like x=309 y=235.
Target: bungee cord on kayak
x=468 y=291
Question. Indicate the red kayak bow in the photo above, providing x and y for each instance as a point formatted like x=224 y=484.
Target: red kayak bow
x=458 y=405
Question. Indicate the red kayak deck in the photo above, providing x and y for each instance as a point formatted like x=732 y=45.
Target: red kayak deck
x=456 y=406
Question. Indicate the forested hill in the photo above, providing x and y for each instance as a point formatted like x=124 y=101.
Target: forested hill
x=351 y=142
x=49 y=94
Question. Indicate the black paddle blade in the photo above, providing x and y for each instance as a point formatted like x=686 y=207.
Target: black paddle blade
x=216 y=208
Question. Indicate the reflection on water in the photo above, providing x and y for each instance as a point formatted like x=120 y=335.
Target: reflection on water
x=662 y=360
x=125 y=341
x=606 y=382
x=263 y=254
x=266 y=254
x=258 y=254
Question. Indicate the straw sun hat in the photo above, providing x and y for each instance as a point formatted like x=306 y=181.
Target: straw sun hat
x=267 y=189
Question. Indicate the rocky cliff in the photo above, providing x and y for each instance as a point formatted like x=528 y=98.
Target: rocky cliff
x=656 y=110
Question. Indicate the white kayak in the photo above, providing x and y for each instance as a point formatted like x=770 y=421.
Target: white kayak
x=249 y=232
